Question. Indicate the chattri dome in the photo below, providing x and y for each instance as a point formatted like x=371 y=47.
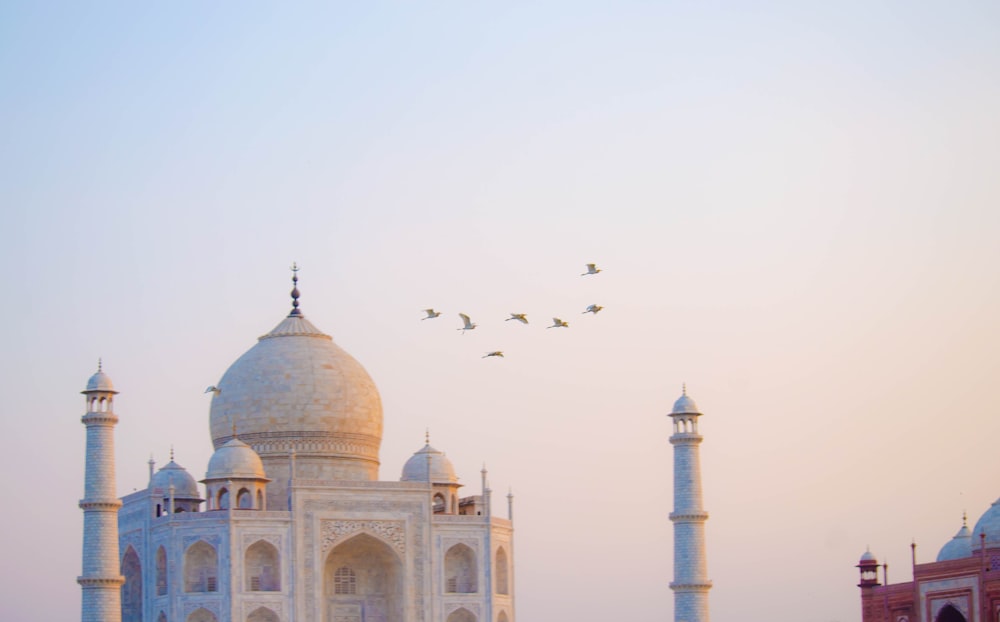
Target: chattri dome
x=429 y=462
x=685 y=405
x=100 y=382
x=958 y=547
x=297 y=391
x=185 y=488
x=235 y=460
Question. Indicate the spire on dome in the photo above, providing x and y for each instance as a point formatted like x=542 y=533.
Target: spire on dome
x=295 y=291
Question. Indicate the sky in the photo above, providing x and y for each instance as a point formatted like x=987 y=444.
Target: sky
x=794 y=206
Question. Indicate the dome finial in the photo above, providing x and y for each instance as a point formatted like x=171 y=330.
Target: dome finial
x=295 y=291
x=171 y=452
x=427 y=436
x=100 y=364
x=964 y=519
x=684 y=388
x=234 y=427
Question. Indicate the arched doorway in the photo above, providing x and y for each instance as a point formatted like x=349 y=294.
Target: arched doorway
x=462 y=615
x=132 y=588
x=948 y=613
x=363 y=574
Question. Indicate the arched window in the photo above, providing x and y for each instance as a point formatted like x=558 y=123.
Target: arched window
x=262 y=614
x=201 y=568
x=439 y=504
x=345 y=581
x=948 y=613
x=262 y=567
x=501 y=572
x=132 y=588
x=244 y=500
x=161 y=571
x=503 y=617
x=460 y=570
x=202 y=615
x=462 y=615
x=223 y=503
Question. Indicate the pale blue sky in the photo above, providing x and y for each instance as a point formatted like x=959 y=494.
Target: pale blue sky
x=795 y=206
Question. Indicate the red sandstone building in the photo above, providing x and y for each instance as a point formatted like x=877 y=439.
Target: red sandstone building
x=962 y=585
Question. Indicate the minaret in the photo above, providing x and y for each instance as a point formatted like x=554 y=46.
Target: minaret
x=690 y=584
x=101 y=580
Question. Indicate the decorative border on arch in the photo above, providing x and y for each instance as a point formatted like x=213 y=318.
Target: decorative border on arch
x=130 y=539
x=277 y=605
x=474 y=608
x=392 y=532
x=192 y=606
x=472 y=543
x=248 y=539
x=212 y=539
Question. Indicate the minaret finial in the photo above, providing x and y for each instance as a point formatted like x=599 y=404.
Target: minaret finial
x=295 y=291
x=427 y=436
x=100 y=364
x=964 y=519
x=171 y=453
x=234 y=427
x=684 y=388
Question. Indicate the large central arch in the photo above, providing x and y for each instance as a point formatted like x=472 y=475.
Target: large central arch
x=363 y=576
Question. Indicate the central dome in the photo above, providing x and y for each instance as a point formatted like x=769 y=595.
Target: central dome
x=297 y=393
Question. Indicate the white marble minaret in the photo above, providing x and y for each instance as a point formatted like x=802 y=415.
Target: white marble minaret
x=690 y=584
x=101 y=580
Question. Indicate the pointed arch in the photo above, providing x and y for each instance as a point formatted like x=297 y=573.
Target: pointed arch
x=502 y=617
x=222 y=499
x=363 y=573
x=949 y=613
x=244 y=499
x=262 y=567
x=502 y=572
x=461 y=615
x=161 y=571
x=460 y=570
x=131 y=597
x=202 y=615
x=162 y=617
x=201 y=568
x=263 y=614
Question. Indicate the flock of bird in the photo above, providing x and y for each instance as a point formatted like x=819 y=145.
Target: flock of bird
x=468 y=324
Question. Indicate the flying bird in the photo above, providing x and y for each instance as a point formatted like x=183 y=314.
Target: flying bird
x=213 y=389
x=431 y=314
x=520 y=317
x=469 y=325
x=591 y=269
x=493 y=353
x=557 y=323
x=593 y=309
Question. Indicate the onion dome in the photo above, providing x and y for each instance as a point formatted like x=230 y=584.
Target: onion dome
x=429 y=461
x=989 y=524
x=958 y=547
x=235 y=460
x=685 y=405
x=297 y=391
x=867 y=557
x=185 y=488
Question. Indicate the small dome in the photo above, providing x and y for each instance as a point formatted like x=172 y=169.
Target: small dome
x=685 y=406
x=100 y=382
x=867 y=557
x=429 y=460
x=172 y=473
x=958 y=547
x=235 y=460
